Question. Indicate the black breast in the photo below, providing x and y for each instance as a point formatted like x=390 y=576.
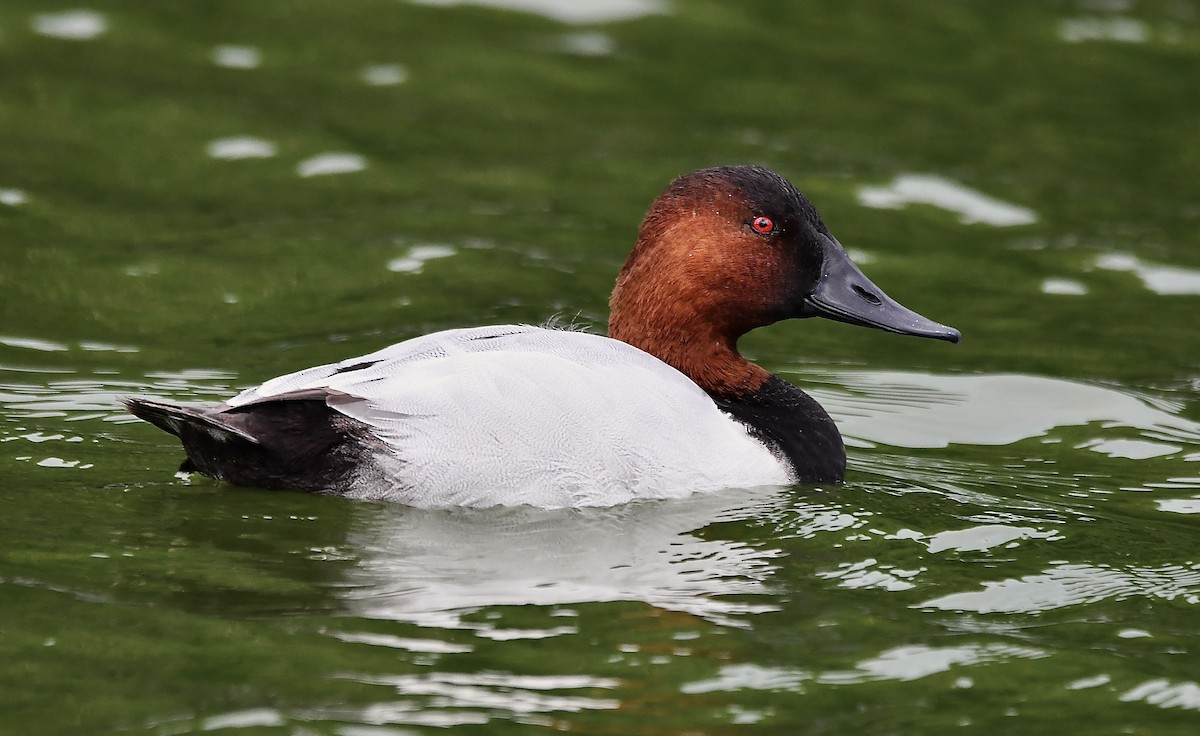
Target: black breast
x=793 y=424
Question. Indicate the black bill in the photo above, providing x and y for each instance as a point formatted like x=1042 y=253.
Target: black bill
x=844 y=294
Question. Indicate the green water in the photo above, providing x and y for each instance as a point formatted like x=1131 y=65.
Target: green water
x=1015 y=550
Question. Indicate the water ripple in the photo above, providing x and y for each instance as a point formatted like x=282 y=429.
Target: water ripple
x=1074 y=584
x=917 y=661
x=79 y=399
x=918 y=410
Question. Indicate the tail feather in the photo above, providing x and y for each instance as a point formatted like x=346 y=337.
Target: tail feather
x=172 y=418
x=294 y=441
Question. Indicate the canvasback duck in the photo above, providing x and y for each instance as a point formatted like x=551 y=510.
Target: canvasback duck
x=663 y=407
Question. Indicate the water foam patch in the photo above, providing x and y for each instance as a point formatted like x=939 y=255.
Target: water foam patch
x=938 y=191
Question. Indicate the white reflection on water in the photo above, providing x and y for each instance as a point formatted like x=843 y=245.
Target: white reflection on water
x=1073 y=584
x=243 y=719
x=1065 y=287
x=971 y=206
x=384 y=75
x=414 y=259
x=734 y=677
x=981 y=538
x=1180 y=505
x=74 y=25
x=83 y=398
x=914 y=662
x=1085 y=683
x=32 y=343
x=331 y=163
x=233 y=720
x=1099 y=28
x=70 y=399
x=1164 y=694
x=570 y=11
x=919 y=410
x=106 y=347
x=12 y=197
x=431 y=568
x=58 y=462
x=239 y=147
x=1133 y=634
x=49 y=346
x=1129 y=449
x=1165 y=280
x=862 y=575
x=408 y=644
x=517 y=694
x=236 y=57
x=585 y=44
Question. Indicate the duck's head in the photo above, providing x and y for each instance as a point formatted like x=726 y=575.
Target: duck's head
x=725 y=250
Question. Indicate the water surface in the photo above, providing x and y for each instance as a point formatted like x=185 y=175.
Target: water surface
x=197 y=196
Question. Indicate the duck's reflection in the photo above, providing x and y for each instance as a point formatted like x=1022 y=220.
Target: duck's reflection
x=434 y=567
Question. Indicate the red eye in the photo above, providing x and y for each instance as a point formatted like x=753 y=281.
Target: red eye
x=763 y=225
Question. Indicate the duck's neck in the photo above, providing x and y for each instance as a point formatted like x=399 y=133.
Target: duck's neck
x=711 y=359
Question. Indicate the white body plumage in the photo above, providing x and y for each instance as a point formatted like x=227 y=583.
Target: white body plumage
x=510 y=414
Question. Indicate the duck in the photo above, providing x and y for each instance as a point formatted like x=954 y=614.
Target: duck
x=662 y=407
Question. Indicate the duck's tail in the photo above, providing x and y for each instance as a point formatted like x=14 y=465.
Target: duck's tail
x=173 y=418
x=295 y=442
